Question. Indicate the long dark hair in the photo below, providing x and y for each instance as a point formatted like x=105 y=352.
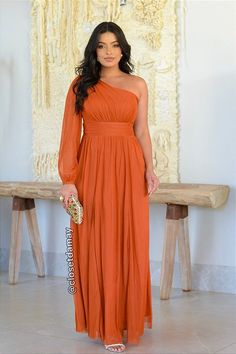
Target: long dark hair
x=89 y=68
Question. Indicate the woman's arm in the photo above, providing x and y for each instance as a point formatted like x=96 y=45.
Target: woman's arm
x=69 y=146
x=142 y=133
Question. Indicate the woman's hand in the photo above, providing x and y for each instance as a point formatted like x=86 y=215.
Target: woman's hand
x=66 y=190
x=152 y=181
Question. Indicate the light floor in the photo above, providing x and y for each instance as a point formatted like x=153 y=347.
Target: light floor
x=37 y=317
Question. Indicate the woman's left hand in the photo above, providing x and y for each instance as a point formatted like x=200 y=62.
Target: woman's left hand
x=152 y=181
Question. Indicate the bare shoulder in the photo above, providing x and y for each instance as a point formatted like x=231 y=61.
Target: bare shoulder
x=140 y=84
x=138 y=80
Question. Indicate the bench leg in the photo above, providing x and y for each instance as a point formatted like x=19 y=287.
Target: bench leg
x=184 y=254
x=18 y=207
x=34 y=235
x=176 y=229
x=168 y=258
x=16 y=237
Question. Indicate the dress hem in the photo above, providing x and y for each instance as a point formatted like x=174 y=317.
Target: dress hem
x=147 y=325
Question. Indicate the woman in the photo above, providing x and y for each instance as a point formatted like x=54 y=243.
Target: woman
x=110 y=170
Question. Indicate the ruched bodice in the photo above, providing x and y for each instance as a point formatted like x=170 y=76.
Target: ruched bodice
x=107 y=99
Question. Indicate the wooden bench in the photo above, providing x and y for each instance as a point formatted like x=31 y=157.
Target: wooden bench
x=177 y=197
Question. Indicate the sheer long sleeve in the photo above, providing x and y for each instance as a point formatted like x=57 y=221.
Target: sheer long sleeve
x=70 y=140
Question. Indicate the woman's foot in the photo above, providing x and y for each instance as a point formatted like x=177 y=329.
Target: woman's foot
x=117 y=348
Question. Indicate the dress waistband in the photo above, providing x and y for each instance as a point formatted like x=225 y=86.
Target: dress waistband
x=108 y=128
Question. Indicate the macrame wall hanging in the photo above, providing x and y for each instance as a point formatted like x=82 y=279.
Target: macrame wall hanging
x=60 y=32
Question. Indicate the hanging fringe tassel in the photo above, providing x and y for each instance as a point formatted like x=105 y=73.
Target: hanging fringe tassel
x=45 y=167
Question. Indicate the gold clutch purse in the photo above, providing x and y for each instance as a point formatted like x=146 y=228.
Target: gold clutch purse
x=75 y=209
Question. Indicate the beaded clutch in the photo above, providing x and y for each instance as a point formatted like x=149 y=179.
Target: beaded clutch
x=75 y=209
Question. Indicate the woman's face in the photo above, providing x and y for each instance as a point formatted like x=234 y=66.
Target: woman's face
x=108 y=50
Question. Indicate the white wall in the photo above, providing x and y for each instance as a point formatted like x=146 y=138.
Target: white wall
x=208 y=125
x=207 y=133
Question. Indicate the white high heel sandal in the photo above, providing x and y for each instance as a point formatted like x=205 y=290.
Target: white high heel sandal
x=111 y=348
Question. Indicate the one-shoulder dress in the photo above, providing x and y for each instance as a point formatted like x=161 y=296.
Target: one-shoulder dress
x=111 y=245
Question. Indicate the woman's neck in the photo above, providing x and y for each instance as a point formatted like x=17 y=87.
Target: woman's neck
x=110 y=72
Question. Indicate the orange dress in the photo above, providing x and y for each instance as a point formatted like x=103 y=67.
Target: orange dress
x=111 y=246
